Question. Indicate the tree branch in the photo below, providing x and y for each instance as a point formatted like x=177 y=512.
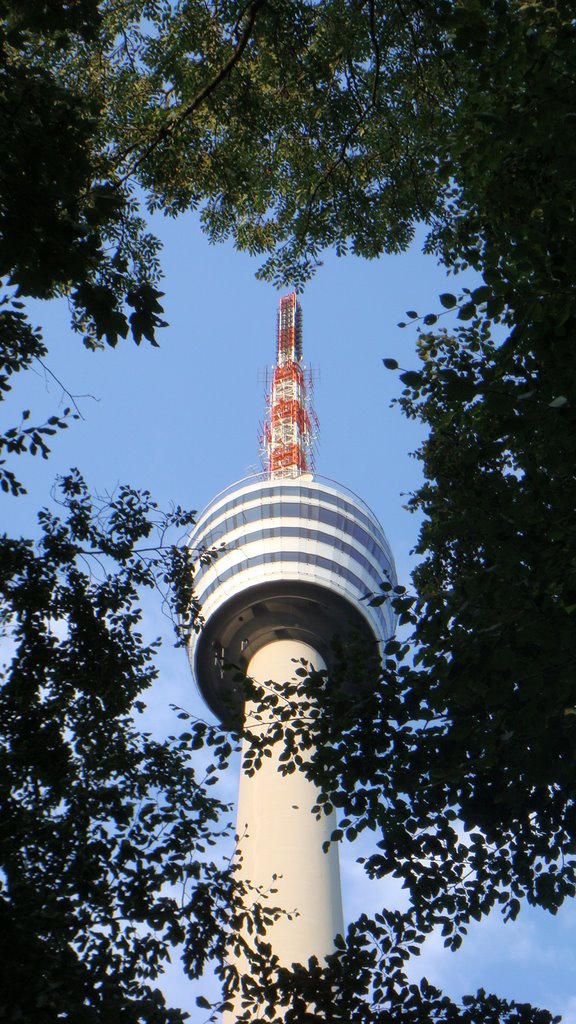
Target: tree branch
x=202 y=95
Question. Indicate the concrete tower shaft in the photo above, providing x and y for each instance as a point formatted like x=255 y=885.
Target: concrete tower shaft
x=280 y=841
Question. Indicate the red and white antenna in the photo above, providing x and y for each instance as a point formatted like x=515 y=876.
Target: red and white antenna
x=288 y=435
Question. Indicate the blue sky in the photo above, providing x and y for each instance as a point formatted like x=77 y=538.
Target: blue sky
x=182 y=420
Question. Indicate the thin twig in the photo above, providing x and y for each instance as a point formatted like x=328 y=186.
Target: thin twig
x=376 y=48
x=65 y=389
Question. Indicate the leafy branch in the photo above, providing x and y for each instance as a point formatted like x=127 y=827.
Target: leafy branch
x=177 y=117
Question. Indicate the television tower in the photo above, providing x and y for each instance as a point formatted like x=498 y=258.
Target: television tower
x=299 y=553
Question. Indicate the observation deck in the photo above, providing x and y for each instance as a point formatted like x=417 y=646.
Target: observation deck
x=296 y=559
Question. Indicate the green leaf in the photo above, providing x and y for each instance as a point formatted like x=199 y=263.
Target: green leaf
x=411 y=379
x=467 y=311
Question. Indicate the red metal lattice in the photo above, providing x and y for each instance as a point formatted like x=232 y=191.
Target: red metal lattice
x=287 y=436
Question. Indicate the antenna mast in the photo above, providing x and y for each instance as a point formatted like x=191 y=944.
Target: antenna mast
x=288 y=435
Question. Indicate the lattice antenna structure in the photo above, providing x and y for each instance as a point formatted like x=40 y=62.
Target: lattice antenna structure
x=287 y=438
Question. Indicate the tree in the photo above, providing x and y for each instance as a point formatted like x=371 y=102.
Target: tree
x=284 y=123
x=67 y=224
x=495 y=626
x=296 y=126
x=105 y=832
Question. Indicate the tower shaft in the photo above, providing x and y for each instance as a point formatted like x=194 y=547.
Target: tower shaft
x=280 y=841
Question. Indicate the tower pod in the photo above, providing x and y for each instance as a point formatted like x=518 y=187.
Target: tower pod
x=295 y=560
